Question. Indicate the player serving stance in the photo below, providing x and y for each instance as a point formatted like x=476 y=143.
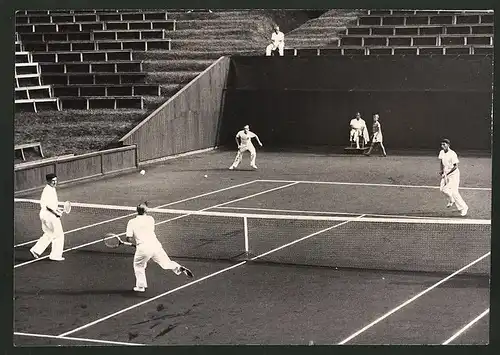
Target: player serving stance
x=244 y=143
x=141 y=231
x=450 y=177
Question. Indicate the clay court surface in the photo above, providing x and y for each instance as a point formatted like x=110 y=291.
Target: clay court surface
x=325 y=282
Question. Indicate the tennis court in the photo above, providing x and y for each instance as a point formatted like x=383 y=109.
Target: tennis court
x=312 y=248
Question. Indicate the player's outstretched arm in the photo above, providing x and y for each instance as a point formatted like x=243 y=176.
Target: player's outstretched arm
x=258 y=140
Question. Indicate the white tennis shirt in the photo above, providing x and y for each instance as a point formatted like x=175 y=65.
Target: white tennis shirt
x=142 y=228
x=358 y=124
x=246 y=138
x=278 y=38
x=448 y=159
x=49 y=198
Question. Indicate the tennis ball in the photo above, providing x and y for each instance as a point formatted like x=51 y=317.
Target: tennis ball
x=143 y=172
x=206 y=176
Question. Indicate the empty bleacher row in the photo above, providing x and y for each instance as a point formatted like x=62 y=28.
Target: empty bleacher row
x=83 y=59
x=411 y=32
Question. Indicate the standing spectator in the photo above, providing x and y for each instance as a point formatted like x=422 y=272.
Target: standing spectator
x=244 y=142
x=277 y=42
x=377 y=138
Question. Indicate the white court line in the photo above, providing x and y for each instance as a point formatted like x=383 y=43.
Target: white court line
x=411 y=300
x=191 y=283
x=337 y=213
x=158 y=223
x=470 y=324
x=369 y=184
x=150 y=300
x=131 y=214
x=77 y=339
x=301 y=239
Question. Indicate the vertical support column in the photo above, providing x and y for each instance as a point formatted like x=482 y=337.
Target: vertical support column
x=245 y=227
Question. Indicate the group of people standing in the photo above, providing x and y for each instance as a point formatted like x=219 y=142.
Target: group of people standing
x=359 y=134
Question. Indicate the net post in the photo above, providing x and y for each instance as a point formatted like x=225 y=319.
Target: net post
x=245 y=227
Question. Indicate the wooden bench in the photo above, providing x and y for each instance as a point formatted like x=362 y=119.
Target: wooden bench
x=33 y=92
x=51 y=103
x=128 y=34
x=34 y=145
x=133 y=44
x=425 y=19
x=102 y=102
x=418 y=30
x=56 y=36
x=416 y=12
x=168 y=25
x=92 y=78
x=391 y=50
x=26 y=80
x=82 y=56
x=93 y=67
x=23 y=57
x=107 y=90
x=59 y=27
x=43 y=160
x=27 y=68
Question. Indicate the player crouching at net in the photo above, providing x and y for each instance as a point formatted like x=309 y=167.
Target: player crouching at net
x=244 y=143
x=141 y=232
x=450 y=177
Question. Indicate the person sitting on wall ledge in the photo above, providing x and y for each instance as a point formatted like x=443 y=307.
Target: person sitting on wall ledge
x=358 y=129
x=277 y=42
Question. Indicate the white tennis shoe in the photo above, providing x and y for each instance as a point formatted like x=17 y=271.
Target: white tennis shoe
x=56 y=258
x=35 y=255
x=139 y=289
x=464 y=211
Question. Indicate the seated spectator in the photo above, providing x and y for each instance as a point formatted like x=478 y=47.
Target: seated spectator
x=358 y=129
x=277 y=42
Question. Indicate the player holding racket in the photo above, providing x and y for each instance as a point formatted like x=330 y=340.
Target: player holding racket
x=141 y=231
x=244 y=142
x=50 y=216
x=450 y=177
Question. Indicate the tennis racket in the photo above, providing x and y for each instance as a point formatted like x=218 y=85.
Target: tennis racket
x=444 y=181
x=67 y=207
x=113 y=241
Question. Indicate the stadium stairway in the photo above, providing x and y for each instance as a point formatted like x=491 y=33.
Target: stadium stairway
x=195 y=41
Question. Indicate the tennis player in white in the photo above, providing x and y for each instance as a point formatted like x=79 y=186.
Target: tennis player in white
x=377 y=138
x=50 y=216
x=141 y=232
x=244 y=143
x=450 y=177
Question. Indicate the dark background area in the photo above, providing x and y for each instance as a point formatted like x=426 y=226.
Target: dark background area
x=309 y=101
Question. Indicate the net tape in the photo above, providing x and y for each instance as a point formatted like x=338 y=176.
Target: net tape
x=131 y=210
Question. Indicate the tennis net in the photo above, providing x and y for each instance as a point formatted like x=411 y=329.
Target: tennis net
x=365 y=242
